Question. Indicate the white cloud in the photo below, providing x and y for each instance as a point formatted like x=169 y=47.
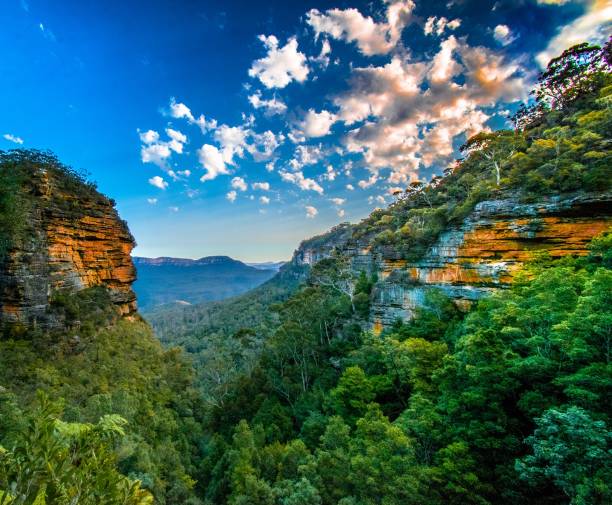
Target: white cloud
x=351 y=26
x=156 y=151
x=173 y=209
x=314 y=124
x=264 y=200
x=412 y=111
x=270 y=166
x=280 y=66
x=262 y=186
x=330 y=174
x=271 y=106
x=231 y=196
x=311 y=211
x=264 y=144
x=444 y=66
x=212 y=160
x=503 y=35
x=304 y=183
x=180 y=110
x=184 y=173
x=341 y=212
x=177 y=139
x=350 y=187
x=148 y=137
x=593 y=26
x=437 y=25
x=363 y=184
x=305 y=155
x=158 y=182
x=239 y=183
x=13 y=138
x=233 y=141
x=338 y=201
x=152 y=201
x=323 y=58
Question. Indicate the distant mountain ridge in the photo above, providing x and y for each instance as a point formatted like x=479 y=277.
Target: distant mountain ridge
x=186 y=262
x=166 y=280
x=268 y=265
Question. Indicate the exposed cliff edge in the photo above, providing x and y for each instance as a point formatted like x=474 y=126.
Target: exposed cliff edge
x=469 y=260
x=66 y=237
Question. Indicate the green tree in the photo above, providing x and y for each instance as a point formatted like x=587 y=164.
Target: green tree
x=66 y=463
x=574 y=451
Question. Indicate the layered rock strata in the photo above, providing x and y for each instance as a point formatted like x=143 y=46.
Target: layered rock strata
x=74 y=239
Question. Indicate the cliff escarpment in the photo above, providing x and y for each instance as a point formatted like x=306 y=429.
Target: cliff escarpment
x=60 y=236
x=470 y=259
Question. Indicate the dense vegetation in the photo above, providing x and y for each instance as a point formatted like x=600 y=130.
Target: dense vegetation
x=106 y=366
x=294 y=403
x=507 y=404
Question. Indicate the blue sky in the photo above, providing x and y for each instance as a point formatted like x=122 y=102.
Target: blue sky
x=242 y=127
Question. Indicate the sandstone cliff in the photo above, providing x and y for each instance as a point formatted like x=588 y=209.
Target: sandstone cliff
x=468 y=261
x=71 y=239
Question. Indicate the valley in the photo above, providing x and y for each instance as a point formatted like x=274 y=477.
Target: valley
x=452 y=347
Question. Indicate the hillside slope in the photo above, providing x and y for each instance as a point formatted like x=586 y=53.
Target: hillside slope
x=87 y=394
x=486 y=378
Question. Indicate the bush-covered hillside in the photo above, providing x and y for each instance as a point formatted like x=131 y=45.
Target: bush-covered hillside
x=507 y=404
x=293 y=402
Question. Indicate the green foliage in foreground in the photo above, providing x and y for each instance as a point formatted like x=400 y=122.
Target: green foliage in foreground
x=508 y=404
x=107 y=366
x=60 y=463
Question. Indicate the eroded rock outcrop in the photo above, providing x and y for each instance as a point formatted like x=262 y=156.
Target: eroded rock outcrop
x=481 y=255
x=72 y=239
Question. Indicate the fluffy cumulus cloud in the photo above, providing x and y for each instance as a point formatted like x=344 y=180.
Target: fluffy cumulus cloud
x=261 y=186
x=263 y=145
x=304 y=183
x=239 y=183
x=311 y=211
x=270 y=106
x=503 y=35
x=313 y=125
x=181 y=111
x=323 y=58
x=213 y=162
x=413 y=110
x=397 y=118
x=438 y=25
x=306 y=155
x=157 y=151
x=13 y=138
x=158 y=182
x=281 y=65
x=152 y=201
x=593 y=26
x=351 y=25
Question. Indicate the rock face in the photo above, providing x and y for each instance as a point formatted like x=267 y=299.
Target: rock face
x=74 y=240
x=481 y=255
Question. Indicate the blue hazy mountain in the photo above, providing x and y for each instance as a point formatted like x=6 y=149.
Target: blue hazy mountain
x=187 y=281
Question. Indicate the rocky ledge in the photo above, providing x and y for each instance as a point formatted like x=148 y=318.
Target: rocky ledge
x=75 y=240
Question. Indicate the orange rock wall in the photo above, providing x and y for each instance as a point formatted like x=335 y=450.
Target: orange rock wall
x=487 y=250
x=76 y=242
